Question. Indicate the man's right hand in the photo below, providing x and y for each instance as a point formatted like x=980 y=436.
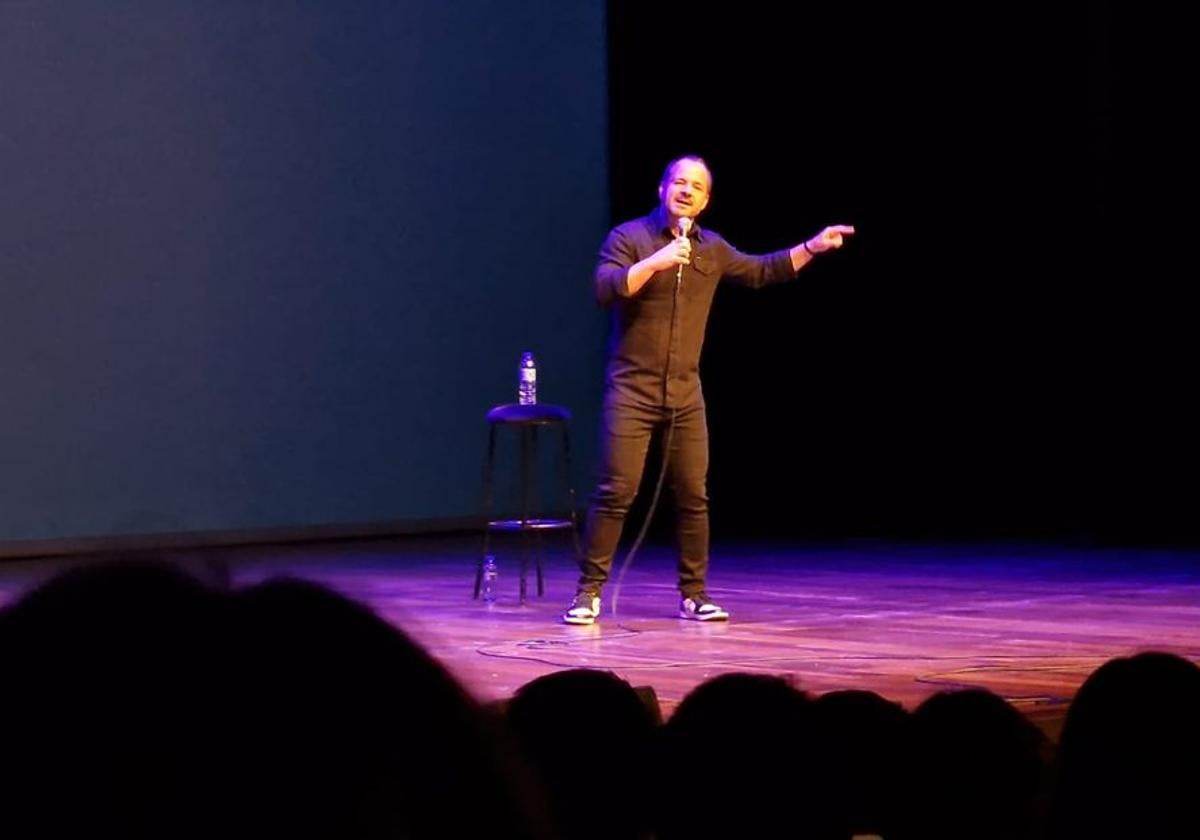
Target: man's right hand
x=676 y=252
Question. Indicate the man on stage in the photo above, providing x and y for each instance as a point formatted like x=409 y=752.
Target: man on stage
x=658 y=275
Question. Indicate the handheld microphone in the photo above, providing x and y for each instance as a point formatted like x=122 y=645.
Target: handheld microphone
x=685 y=226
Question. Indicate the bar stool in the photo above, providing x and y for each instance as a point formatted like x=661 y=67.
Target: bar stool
x=526 y=419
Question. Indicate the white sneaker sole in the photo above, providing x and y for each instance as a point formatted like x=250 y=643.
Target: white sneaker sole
x=579 y=619
x=715 y=616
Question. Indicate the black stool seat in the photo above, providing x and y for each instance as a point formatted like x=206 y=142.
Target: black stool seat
x=541 y=414
x=526 y=419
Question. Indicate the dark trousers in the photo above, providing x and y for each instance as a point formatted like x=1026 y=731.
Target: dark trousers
x=626 y=430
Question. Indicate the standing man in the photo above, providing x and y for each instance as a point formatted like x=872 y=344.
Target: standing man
x=658 y=275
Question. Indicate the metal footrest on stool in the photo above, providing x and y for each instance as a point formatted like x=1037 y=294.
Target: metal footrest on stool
x=530 y=524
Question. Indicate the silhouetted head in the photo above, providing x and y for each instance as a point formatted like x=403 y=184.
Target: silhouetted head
x=980 y=768
x=1129 y=754
x=588 y=722
x=738 y=748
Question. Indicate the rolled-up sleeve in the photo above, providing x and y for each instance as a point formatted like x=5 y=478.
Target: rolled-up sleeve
x=617 y=254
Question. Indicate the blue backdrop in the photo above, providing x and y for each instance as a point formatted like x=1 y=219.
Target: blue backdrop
x=267 y=265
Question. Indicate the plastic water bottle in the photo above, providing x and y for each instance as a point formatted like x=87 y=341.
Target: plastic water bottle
x=527 y=380
x=487 y=587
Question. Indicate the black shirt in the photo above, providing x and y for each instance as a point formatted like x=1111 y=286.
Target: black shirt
x=657 y=334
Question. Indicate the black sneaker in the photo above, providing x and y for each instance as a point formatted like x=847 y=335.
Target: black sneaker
x=585 y=609
x=700 y=607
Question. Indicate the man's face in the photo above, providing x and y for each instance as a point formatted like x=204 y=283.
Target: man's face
x=685 y=193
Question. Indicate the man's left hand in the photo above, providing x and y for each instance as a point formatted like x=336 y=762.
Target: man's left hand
x=830 y=238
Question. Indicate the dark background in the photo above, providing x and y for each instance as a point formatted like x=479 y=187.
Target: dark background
x=266 y=268
x=1006 y=348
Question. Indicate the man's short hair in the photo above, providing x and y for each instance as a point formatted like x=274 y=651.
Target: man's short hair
x=670 y=170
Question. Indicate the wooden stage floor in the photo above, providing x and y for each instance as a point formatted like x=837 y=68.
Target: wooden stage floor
x=1029 y=623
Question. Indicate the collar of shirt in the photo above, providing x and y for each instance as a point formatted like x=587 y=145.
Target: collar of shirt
x=661 y=223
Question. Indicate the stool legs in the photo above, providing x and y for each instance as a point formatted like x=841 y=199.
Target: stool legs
x=488 y=474
x=528 y=525
x=527 y=439
x=536 y=534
